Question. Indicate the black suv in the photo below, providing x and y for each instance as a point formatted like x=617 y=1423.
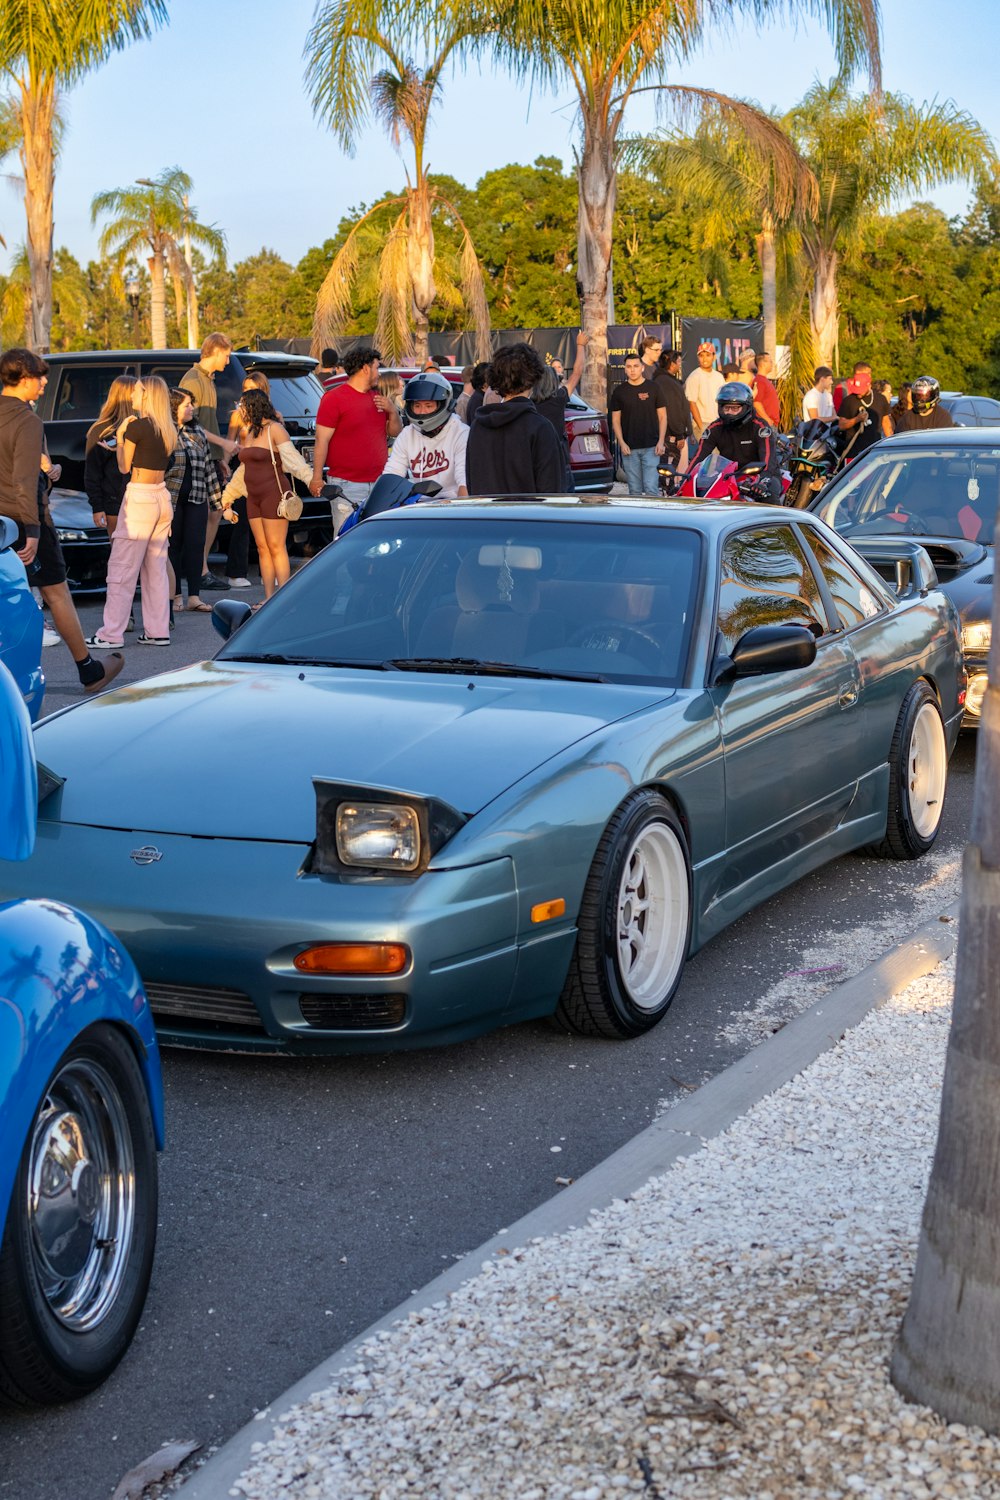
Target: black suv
x=77 y=386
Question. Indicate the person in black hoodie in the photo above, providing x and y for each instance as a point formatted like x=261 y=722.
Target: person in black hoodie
x=24 y=497
x=513 y=449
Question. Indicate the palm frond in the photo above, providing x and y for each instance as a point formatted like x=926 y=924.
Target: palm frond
x=333 y=301
x=395 y=303
x=63 y=41
x=477 y=307
x=401 y=103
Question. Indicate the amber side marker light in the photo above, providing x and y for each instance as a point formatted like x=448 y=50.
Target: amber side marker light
x=354 y=958
x=546 y=910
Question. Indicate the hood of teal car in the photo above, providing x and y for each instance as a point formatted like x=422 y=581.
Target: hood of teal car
x=227 y=750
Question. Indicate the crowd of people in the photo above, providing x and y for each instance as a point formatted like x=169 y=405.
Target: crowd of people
x=161 y=476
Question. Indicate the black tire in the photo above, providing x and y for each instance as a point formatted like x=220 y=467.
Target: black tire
x=918 y=777
x=799 y=492
x=50 y=1350
x=599 y=998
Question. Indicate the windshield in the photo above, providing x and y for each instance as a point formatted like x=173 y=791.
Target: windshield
x=947 y=492
x=442 y=593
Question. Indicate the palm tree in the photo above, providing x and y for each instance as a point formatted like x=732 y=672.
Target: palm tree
x=353 y=71
x=862 y=160
x=151 y=220
x=45 y=47
x=946 y=1351
x=609 y=52
x=738 y=187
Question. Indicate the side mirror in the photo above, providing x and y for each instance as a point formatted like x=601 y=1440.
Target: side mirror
x=8 y=533
x=766 y=649
x=228 y=615
x=428 y=487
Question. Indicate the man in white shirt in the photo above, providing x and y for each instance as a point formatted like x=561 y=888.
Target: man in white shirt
x=433 y=444
x=818 y=402
x=702 y=386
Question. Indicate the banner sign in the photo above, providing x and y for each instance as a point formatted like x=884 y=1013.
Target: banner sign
x=730 y=337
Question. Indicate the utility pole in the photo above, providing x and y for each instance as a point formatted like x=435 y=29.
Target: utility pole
x=194 y=341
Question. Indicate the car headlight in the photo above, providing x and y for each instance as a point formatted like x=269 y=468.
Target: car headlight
x=975 y=693
x=977 y=636
x=378 y=835
x=367 y=831
x=66 y=535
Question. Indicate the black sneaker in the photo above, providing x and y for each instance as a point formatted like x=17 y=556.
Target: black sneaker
x=210 y=582
x=153 y=640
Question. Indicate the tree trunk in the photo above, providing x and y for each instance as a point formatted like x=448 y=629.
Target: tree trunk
x=194 y=337
x=597 y=183
x=824 y=310
x=420 y=261
x=947 y=1354
x=157 y=301
x=38 y=102
x=769 y=282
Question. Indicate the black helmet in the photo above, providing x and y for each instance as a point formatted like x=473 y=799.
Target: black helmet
x=735 y=402
x=925 y=392
x=430 y=385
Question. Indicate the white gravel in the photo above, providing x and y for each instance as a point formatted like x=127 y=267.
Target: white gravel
x=723 y=1334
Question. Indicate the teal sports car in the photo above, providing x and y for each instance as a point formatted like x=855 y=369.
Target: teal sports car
x=495 y=760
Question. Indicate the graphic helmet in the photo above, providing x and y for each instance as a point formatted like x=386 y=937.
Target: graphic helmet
x=925 y=393
x=429 y=385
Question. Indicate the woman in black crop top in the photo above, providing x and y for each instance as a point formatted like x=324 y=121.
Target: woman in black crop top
x=139 y=546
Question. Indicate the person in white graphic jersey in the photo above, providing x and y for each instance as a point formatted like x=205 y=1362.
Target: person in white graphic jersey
x=432 y=444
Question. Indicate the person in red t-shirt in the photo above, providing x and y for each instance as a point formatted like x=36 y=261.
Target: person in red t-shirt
x=765 y=397
x=353 y=425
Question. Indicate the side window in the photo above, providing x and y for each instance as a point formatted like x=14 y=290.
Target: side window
x=854 y=600
x=766 y=580
x=82 y=389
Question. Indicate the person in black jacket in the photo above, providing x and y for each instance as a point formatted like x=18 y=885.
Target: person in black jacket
x=742 y=436
x=668 y=379
x=513 y=449
x=102 y=478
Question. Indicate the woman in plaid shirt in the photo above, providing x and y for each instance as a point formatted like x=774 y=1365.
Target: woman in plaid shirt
x=193 y=481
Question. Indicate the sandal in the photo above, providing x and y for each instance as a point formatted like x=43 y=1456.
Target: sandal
x=178 y=602
x=200 y=607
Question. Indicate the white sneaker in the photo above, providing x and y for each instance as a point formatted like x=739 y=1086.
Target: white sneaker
x=240 y=583
x=51 y=637
x=98 y=643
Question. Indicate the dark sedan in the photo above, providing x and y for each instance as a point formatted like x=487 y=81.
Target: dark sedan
x=943 y=489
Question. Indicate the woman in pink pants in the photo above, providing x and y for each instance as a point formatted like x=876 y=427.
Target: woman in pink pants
x=139 y=545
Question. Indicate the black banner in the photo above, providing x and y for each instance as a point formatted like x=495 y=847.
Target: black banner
x=730 y=337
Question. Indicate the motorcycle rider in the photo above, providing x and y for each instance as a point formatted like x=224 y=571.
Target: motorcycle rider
x=741 y=435
x=433 y=444
x=925 y=412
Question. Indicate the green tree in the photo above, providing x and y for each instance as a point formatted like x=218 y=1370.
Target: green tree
x=608 y=53
x=862 y=161
x=45 y=47
x=354 y=70
x=151 y=220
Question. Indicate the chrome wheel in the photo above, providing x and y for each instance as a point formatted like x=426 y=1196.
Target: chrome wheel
x=926 y=771
x=653 y=911
x=81 y=1194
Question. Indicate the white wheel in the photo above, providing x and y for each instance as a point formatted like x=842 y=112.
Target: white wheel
x=927 y=771
x=918 y=777
x=653 y=912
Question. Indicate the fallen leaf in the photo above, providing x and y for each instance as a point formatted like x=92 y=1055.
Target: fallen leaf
x=159 y=1465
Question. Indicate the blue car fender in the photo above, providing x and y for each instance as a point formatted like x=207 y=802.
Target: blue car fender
x=21 y=624
x=61 y=972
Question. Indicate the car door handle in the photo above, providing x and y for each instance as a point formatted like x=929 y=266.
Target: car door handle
x=848 y=696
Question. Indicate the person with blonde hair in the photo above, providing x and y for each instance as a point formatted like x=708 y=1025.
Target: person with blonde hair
x=145 y=443
x=102 y=479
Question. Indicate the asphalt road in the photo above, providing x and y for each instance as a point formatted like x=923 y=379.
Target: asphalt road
x=302 y=1199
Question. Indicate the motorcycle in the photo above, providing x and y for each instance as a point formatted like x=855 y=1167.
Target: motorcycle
x=718 y=478
x=387 y=493
x=813 y=460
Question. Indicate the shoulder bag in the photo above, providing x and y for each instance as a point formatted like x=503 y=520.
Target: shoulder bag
x=290 y=504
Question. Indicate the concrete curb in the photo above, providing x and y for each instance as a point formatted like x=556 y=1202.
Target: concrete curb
x=679 y=1132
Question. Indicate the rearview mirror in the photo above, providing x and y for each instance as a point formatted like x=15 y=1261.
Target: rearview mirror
x=228 y=615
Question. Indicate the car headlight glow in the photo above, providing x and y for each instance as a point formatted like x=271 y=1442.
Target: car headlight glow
x=975 y=694
x=976 y=636
x=67 y=534
x=378 y=835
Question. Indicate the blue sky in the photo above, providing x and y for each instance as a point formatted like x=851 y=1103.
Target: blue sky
x=228 y=74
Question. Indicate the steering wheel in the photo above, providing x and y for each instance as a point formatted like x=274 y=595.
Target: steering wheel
x=598 y=633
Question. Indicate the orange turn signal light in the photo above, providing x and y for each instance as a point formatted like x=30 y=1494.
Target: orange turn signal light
x=546 y=910
x=354 y=958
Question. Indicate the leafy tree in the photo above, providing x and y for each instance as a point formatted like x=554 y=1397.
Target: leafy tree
x=607 y=53
x=861 y=161
x=355 y=70
x=151 y=220
x=45 y=47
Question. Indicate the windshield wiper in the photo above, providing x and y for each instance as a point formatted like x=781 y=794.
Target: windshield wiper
x=475 y=667
x=272 y=658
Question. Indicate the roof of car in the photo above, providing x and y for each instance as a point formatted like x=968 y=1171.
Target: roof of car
x=706 y=515
x=182 y=356
x=946 y=437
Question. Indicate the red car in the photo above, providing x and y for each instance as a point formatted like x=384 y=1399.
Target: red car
x=586 y=431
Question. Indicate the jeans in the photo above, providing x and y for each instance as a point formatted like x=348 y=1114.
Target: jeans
x=355 y=494
x=641 y=472
x=187 y=543
x=139 y=550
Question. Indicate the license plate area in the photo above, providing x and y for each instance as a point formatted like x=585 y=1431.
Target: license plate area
x=592 y=443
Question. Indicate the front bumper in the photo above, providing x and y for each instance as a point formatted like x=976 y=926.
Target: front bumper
x=214 y=926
